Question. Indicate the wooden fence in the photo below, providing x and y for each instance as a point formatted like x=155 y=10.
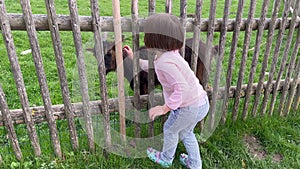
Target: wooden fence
x=286 y=82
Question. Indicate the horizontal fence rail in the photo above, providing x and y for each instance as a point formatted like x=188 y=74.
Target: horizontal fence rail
x=59 y=110
x=64 y=23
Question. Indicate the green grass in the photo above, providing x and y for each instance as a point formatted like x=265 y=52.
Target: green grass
x=224 y=149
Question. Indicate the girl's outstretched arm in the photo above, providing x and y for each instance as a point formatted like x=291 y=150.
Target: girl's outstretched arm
x=143 y=63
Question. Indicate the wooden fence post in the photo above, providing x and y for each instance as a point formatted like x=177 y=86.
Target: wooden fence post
x=151 y=7
x=136 y=67
x=255 y=56
x=284 y=64
x=219 y=58
x=68 y=107
x=244 y=59
x=235 y=36
x=120 y=67
x=32 y=34
x=82 y=73
x=183 y=16
x=196 y=35
x=291 y=65
x=9 y=125
x=271 y=30
x=101 y=69
x=275 y=57
x=293 y=89
x=168 y=7
x=12 y=55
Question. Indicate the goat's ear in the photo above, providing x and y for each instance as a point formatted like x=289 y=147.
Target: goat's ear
x=108 y=46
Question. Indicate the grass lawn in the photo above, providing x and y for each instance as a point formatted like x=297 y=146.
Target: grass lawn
x=262 y=142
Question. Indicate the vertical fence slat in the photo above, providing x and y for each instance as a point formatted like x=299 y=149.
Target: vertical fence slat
x=283 y=62
x=235 y=37
x=244 y=59
x=151 y=7
x=82 y=72
x=151 y=87
x=101 y=69
x=271 y=30
x=275 y=57
x=293 y=89
x=209 y=41
x=68 y=107
x=32 y=34
x=259 y=35
x=196 y=35
x=196 y=42
x=168 y=8
x=12 y=55
x=208 y=54
x=297 y=96
x=136 y=67
x=9 y=125
x=220 y=58
x=120 y=69
x=291 y=65
x=151 y=10
x=183 y=15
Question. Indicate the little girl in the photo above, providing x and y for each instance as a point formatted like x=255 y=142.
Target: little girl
x=184 y=96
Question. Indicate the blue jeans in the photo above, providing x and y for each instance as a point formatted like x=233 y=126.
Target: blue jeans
x=180 y=125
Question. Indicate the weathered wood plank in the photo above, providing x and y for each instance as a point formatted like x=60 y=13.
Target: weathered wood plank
x=53 y=26
x=34 y=44
x=82 y=72
x=209 y=39
x=275 y=56
x=151 y=11
x=136 y=66
x=244 y=59
x=38 y=112
x=183 y=17
x=85 y=23
x=266 y=57
x=101 y=68
x=18 y=77
x=168 y=7
x=259 y=35
x=120 y=66
x=219 y=65
x=297 y=98
x=291 y=65
x=283 y=63
x=9 y=125
x=293 y=89
x=151 y=7
x=196 y=35
x=235 y=36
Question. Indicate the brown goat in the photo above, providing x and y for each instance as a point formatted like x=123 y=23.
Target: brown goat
x=110 y=64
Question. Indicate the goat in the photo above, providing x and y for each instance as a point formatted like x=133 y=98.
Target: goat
x=110 y=64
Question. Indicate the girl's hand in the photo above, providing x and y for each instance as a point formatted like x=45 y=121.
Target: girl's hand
x=158 y=111
x=128 y=50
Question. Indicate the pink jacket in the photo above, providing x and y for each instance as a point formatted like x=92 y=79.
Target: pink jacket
x=181 y=87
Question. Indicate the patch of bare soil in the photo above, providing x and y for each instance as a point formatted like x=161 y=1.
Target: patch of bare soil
x=277 y=158
x=255 y=148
